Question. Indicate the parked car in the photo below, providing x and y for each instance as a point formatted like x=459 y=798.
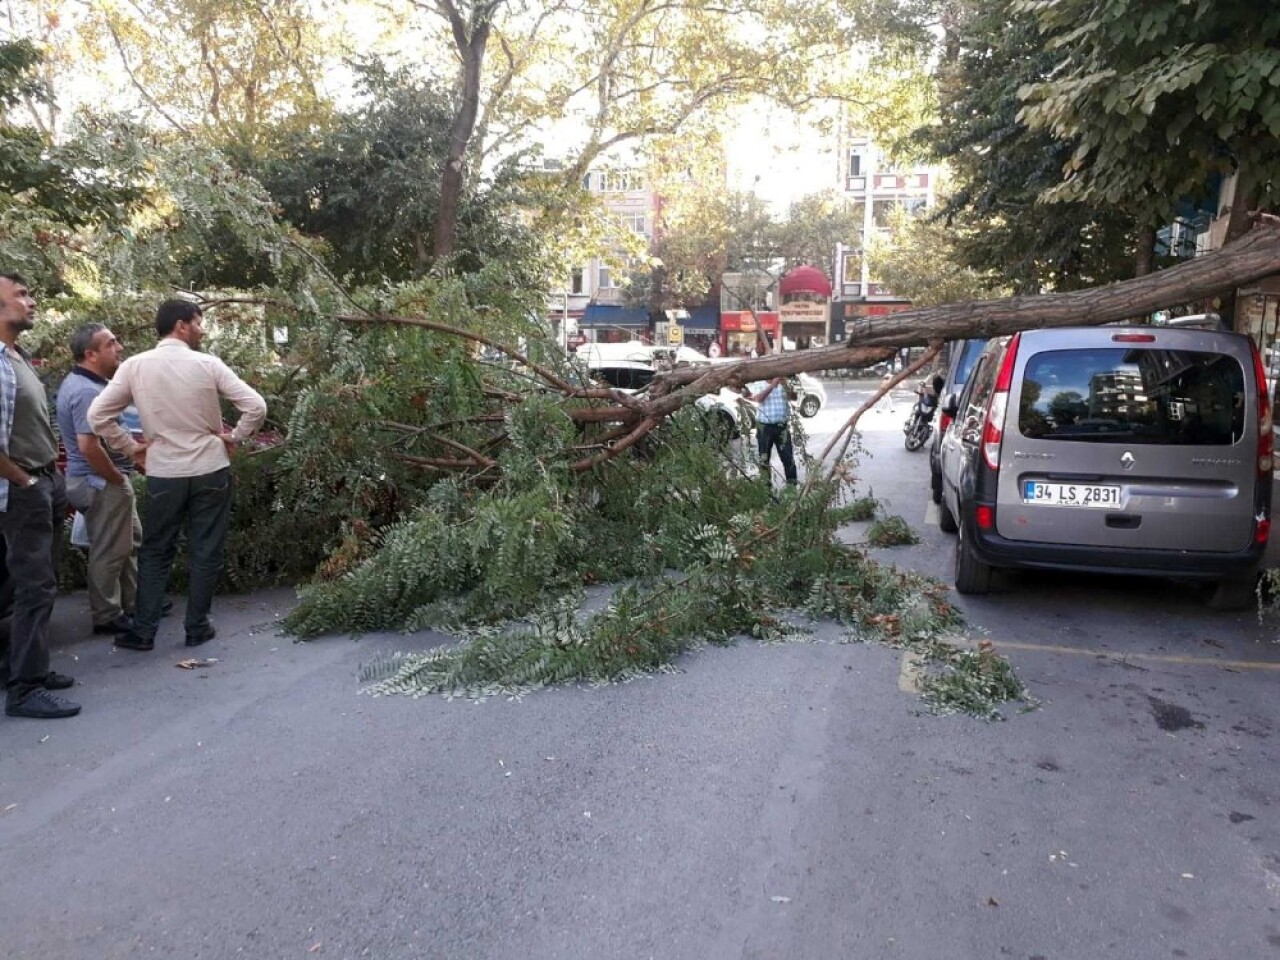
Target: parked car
x=961 y=356
x=1139 y=450
x=630 y=368
x=810 y=395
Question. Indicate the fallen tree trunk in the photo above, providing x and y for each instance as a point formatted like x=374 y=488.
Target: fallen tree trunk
x=1251 y=258
x=625 y=419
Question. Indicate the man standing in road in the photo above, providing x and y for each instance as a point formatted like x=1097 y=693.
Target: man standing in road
x=33 y=501
x=177 y=389
x=98 y=483
x=773 y=421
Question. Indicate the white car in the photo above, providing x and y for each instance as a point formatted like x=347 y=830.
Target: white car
x=631 y=367
x=811 y=395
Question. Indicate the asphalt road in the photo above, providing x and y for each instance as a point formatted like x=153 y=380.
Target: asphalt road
x=760 y=802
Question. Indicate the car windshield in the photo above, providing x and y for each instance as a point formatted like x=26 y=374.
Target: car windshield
x=969 y=353
x=624 y=378
x=1110 y=395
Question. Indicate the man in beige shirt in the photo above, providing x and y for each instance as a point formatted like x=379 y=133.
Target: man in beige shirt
x=186 y=453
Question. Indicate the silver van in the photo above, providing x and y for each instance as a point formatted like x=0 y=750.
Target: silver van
x=1137 y=450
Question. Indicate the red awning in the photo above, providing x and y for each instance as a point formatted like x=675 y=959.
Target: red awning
x=805 y=280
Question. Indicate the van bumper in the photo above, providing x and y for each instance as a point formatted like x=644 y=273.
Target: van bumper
x=998 y=551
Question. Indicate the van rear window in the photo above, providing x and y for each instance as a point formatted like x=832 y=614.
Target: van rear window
x=1120 y=395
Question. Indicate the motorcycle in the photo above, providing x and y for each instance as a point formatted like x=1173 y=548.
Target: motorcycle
x=919 y=423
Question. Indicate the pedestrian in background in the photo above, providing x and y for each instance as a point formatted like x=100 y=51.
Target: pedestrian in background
x=98 y=482
x=33 y=502
x=887 y=399
x=177 y=390
x=773 y=420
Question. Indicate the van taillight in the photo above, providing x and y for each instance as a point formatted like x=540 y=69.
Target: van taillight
x=944 y=421
x=993 y=427
x=985 y=517
x=1262 y=532
x=1266 y=438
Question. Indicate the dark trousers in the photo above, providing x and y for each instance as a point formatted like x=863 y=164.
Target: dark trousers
x=776 y=435
x=203 y=504
x=32 y=531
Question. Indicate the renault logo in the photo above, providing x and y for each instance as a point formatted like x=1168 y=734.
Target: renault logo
x=1127 y=461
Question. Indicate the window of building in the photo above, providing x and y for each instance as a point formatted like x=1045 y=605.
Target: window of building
x=855 y=164
x=620 y=181
x=853 y=266
x=606 y=280
x=915 y=205
x=635 y=222
x=577 y=281
x=882 y=212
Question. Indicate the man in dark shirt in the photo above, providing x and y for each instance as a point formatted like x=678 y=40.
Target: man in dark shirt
x=33 y=502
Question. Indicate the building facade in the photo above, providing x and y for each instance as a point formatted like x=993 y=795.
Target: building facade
x=877 y=189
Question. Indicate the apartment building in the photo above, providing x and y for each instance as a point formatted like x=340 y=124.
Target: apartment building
x=876 y=188
x=591 y=307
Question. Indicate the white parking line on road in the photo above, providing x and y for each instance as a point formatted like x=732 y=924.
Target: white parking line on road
x=931 y=513
x=909 y=672
x=1177 y=659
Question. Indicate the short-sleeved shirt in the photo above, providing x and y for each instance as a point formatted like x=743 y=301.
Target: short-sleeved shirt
x=78 y=390
x=773 y=408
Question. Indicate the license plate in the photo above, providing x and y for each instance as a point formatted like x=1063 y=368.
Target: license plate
x=1071 y=494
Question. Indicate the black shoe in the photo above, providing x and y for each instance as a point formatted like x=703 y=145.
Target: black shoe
x=204 y=636
x=131 y=641
x=121 y=624
x=57 y=681
x=41 y=705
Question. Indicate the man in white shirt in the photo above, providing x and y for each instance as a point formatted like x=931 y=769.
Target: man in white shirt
x=177 y=390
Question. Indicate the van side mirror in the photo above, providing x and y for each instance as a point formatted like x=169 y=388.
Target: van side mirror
x=951 y=404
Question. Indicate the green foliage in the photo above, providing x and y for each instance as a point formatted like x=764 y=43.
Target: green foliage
x=368 y=183
x=924 y=260
x=864 y=508
x=50 y=192
x=972 y=681
x=1157 y=96
x=994 y=226
x=891 y=532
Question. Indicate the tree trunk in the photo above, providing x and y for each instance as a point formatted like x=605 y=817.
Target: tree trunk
x=1249 y=259
x=1144 y=260
x=470 y=40
x=1239 y=223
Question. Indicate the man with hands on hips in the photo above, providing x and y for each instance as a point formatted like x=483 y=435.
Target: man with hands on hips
x=177 y=390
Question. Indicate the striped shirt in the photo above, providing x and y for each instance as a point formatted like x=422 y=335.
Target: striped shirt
x=8 y=400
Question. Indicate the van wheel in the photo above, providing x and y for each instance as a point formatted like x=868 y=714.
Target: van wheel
x=1237 y=593
x=946 y=519
x=809 y=407
x=973 y=577
x=935 y=478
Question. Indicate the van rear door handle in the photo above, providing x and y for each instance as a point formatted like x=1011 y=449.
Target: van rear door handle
x=1122 y=521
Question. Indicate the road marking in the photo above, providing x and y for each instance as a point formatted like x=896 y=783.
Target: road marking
x=1180 y=659
x=909 y=672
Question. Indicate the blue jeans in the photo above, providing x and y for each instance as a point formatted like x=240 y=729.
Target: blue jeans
x=203 y=505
